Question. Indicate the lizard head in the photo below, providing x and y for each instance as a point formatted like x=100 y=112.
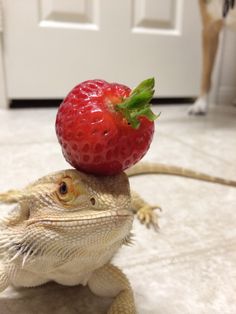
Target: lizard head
x=70 y=209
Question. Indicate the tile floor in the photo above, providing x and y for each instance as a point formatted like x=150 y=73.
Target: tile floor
x=190 y=265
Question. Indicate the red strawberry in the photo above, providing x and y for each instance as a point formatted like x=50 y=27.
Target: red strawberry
x=105 y=128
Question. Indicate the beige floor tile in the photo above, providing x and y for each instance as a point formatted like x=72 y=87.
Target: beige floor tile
x=189 y=266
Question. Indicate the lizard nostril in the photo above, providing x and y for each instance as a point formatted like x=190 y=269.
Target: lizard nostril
x=92 y=200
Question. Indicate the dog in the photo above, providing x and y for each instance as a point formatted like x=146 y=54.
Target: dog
x=215 y=14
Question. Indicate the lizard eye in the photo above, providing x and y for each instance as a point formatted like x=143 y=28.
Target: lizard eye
x=67 y=191
x=63 y=188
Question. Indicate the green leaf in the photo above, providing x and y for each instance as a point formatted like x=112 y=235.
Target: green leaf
x=138 y=103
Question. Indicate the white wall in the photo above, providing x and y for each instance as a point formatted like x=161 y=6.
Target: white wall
x=3 y=98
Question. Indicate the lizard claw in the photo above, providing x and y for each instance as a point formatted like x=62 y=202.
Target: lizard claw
x=148 y=217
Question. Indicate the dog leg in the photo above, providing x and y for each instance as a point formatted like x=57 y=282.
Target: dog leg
x=210 y=40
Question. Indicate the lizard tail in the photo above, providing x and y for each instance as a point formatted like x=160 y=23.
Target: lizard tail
x=156 y=168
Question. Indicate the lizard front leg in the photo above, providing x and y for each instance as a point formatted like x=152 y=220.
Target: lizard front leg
x=145 y=211
x=11 y=196
x=109 y=281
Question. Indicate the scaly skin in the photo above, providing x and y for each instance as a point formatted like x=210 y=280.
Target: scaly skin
x=69 y=237
x=67 y=226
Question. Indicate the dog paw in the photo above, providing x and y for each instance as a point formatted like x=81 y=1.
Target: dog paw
x=199 y=107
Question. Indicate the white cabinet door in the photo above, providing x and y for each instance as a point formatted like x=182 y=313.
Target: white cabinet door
x=51 y=45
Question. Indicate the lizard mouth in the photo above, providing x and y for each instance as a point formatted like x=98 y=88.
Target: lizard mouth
x=90 y=218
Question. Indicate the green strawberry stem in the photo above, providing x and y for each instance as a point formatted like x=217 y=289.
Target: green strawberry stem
x=138 y=103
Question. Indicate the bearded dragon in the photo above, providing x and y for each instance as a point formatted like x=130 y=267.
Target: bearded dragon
x=67 y=226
